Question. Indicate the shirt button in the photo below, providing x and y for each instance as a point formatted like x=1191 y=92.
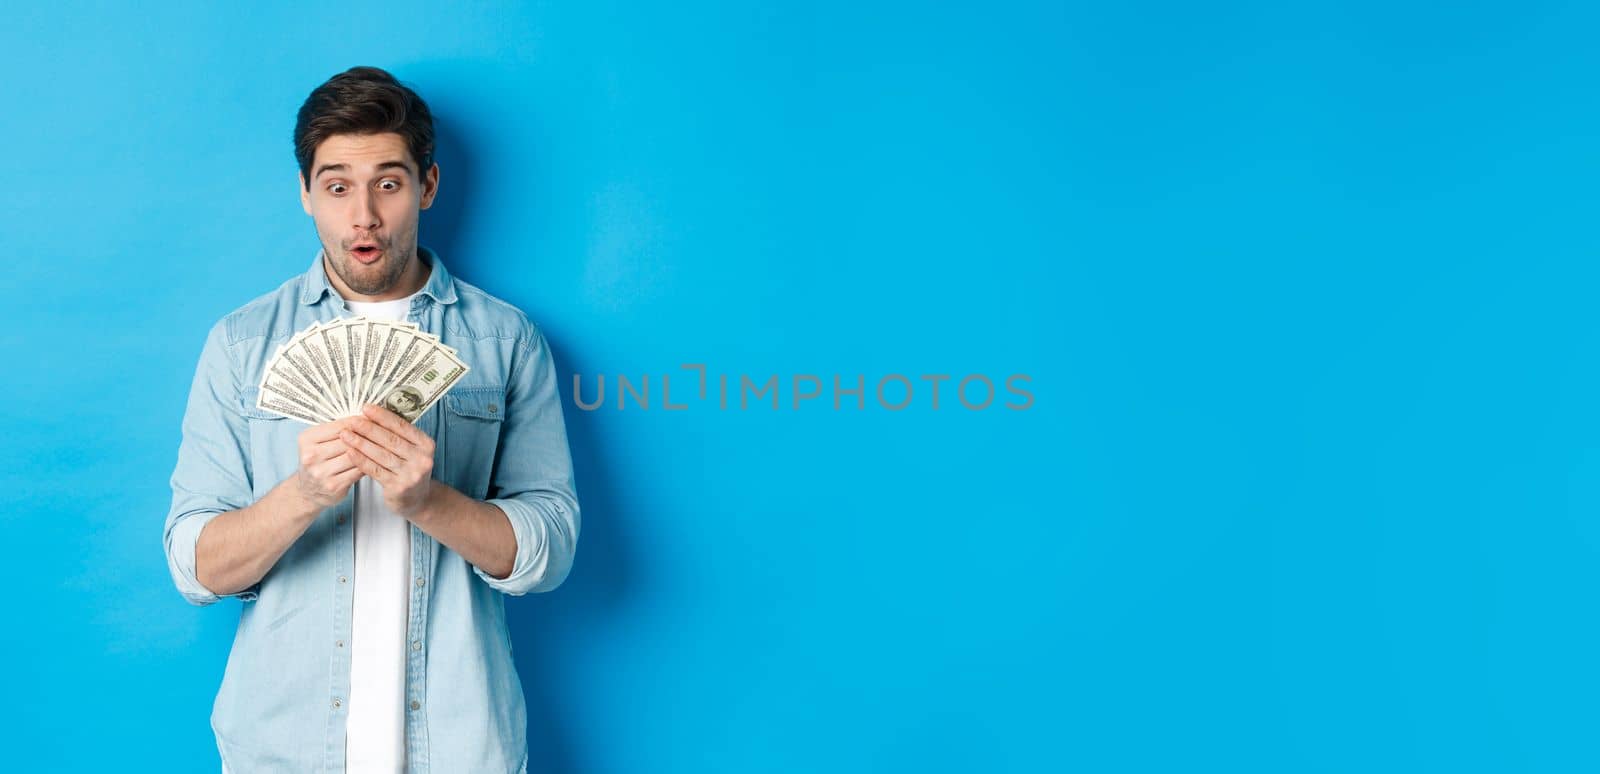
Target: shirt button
x=336 y=703
x=342 y=579
x=339 y=643
x=341 y=518
x=416 y=644
x=493 y=408
x=416 y=705
x=419 y=582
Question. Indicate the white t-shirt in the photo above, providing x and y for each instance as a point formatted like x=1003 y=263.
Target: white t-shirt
x=376 y=727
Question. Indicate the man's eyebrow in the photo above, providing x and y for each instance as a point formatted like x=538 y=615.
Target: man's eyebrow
x=346 y=167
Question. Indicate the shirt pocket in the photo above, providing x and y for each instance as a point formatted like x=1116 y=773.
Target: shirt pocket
x=473 y=419
x=274 y=442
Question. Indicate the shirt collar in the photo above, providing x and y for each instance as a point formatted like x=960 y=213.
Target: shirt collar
x=314 y=284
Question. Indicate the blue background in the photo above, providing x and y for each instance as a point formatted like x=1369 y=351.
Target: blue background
x=1309 y=483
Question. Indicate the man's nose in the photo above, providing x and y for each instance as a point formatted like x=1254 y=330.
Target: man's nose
x=366 y=212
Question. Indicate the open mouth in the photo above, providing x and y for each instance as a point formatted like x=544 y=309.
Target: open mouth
x=366 y=253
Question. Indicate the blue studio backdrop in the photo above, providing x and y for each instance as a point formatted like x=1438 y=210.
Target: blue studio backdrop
x=1271 y=434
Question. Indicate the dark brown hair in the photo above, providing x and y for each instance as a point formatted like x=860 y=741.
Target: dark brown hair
x=363 y=100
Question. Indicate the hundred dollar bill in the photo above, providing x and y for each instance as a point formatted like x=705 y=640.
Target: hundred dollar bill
x=361 y=340
x=281 y=377
x=333 y=342
x=414 y=347
x=306 y=408
x=301 y=363
x=395 y=340
x=429 y=376
x=270 y=401
x=355 y=332
x=316 y=354
x=329 y=370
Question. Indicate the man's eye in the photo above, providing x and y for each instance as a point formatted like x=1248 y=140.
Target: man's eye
x=395 y=185
x=336 y=189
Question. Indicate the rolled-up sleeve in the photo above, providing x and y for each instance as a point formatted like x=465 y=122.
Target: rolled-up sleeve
x=532 y=480
x=212 y=476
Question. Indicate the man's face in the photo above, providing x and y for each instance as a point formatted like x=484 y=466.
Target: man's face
x=366 y=197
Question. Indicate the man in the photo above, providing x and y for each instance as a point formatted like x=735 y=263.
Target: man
x=372 y=555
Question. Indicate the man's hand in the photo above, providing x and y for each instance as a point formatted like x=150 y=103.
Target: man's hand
x=395 y=454
x=327 y=470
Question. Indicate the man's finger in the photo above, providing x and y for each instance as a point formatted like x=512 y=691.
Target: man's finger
x=335 y=465
x=324 y=431
x=393 y=423
x=372 y=431
x=346 y=478
x=373 y=451
x=328 y=449
x=378 y=472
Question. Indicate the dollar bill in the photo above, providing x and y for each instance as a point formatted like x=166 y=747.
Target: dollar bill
x=430 y=376
x=332 y=369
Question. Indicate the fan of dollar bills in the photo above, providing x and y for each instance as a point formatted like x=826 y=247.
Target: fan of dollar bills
x=330 y=370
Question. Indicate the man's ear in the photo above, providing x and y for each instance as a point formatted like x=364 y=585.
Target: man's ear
x=430 y=186
x=305 y=196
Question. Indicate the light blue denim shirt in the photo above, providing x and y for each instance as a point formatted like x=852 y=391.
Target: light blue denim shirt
x=498 y=437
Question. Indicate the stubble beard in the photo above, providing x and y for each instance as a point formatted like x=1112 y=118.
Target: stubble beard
x=370 y=280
